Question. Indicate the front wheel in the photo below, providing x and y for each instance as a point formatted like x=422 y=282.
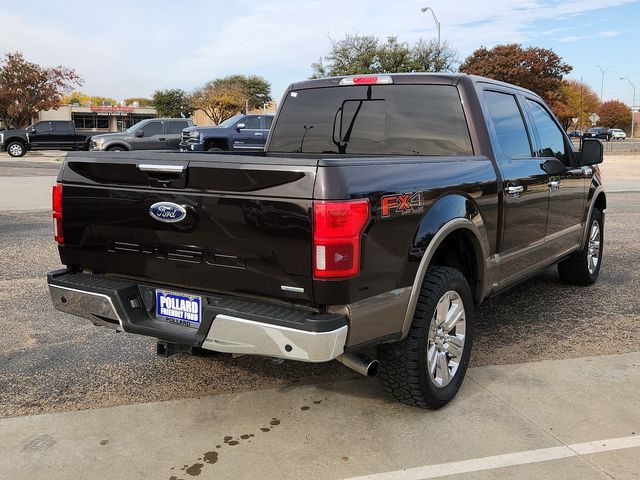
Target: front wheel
x=583 y=267
x=427 y=368
x=16 y=149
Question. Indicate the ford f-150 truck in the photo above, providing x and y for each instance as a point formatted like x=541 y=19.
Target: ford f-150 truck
x=149 y=134
x=240 y=132
x=383 y=208
x=45 y=135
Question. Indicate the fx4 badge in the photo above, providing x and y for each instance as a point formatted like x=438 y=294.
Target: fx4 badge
x=402 y=204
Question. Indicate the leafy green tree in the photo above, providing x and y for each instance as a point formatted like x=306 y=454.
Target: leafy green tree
x=256 y=89
x=615 y=114
x=172 y=103
x=27 y=88
x=538 y=69
x=365 y=54
x=219 y=100
x=143 y=102
x=429 y=56
x=223 y=97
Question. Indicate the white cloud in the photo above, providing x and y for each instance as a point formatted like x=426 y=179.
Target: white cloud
x=575 y=38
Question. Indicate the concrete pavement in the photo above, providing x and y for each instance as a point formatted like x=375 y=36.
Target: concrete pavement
x=570 y=419
x=26 y=193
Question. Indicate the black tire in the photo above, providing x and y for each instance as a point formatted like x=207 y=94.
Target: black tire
x=575 y=270
x=215 y=149
x=404 y=371
x=117 y=148
x=16 y=149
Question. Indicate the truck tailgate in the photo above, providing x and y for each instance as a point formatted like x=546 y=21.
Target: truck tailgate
x=247 y=227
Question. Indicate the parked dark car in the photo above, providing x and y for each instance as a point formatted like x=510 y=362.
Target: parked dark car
x=383 y=209
x=575 y=134
x=151 y=134
x=600 y=133
x=238 y=133
x=44 y=135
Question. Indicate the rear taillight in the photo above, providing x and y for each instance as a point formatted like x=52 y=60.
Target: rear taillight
x=56 y=201
x=337 y=230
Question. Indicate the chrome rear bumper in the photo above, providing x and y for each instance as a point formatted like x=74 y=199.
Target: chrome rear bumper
x=121 y=305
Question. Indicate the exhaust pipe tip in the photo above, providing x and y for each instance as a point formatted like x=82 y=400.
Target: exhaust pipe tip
x=359 y=363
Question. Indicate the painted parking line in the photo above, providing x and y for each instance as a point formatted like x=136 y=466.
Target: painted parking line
x=507 y=460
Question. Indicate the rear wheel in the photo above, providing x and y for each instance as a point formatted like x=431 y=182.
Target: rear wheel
x=116 y=149
x=16 y=149
x=215 y=149
x=583 y=267
x=427 y=368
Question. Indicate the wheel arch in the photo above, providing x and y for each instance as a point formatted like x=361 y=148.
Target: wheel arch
x=598 y=200
x=21 y=140
x=454 y=222
x=118 y=144
x=213 y=141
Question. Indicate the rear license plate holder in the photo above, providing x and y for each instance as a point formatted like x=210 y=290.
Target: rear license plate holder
x=179 y=308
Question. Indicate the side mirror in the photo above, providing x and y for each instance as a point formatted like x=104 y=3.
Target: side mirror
x=139 y=133
x=239 y=126
x=553 y=166
x=33 y=130
x=592 y=152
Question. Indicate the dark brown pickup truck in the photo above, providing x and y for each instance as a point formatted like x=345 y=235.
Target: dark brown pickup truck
x=382 y=210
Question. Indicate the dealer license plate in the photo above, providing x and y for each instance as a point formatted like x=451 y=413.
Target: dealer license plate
x=179 y=308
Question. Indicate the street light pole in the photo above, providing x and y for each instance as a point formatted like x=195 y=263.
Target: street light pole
x=435 y=19
x=633 y=104
x=602 y=81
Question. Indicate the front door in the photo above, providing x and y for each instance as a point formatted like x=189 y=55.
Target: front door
x=566 y=190
x=40 y=135
x=252 y=136
x=525 y=196
x=153 y=137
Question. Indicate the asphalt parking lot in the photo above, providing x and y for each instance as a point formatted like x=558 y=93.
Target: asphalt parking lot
x=55 y=363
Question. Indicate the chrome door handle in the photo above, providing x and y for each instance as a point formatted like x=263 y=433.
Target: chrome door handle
x=514 y=190
x=587 y=171
x=161 y=168
x=555 y=184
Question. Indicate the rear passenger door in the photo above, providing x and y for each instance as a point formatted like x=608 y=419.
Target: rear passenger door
x=566 y=190
x=525 y=195
x=62 y=136
x=174 y=132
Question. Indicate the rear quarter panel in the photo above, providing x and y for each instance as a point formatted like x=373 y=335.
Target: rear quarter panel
x=448 y=188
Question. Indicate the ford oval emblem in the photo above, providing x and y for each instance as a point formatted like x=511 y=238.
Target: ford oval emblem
x=167 y=212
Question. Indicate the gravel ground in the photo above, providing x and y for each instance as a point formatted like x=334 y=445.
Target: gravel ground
x=53 y=362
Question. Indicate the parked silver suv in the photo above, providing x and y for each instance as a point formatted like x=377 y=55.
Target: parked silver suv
x=151 y=134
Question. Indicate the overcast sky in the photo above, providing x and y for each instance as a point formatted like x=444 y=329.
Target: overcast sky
x=129 y=49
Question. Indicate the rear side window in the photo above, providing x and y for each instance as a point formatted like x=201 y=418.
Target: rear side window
x=373 y=120
x=63 y=127
x=509 y=124
x=177 y=127
x=549 y=135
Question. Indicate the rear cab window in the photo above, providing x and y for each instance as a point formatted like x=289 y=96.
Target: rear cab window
x=373 y=120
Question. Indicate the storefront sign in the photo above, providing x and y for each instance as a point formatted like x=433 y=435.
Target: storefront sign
x=114 y=110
